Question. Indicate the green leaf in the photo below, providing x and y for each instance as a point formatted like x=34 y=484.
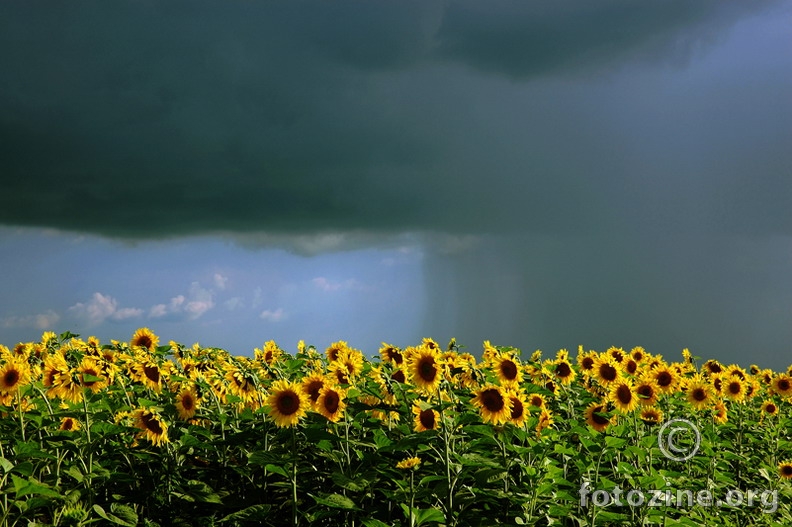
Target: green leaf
x=257 y=513
x=374 y=523
x=25 y=487
x=429 y=515
x=275 y=469
x=6 y=465
x=113 y=518
x=336 y=501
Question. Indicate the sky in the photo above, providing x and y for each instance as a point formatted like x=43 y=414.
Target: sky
x=542 y=175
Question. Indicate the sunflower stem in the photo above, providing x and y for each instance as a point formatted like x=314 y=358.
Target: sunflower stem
x=21 y=414
x=88 y=437
x=294 y=478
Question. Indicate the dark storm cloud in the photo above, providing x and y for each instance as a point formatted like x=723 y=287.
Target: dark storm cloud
x=143 y=119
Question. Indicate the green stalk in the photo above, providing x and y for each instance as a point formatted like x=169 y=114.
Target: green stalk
x=295 y=518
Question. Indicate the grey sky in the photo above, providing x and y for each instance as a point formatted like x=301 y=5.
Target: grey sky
x=611 y=172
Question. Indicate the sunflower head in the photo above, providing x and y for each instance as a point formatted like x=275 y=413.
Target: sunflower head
x=424 y=369
x=331 y=402
x=14 y=374
x=651 y=415
x=391 y=353
x=144 y=338
x=493 y=403
x=597 y=416
x=507 y=368
x=287 y=403
x=69 y=424
x=425 y=417
x=699 y=393
x=409 y=463
x=785 y=469
x=623 y=396
x=151 y=425
x=606 y=370
x=187 y=403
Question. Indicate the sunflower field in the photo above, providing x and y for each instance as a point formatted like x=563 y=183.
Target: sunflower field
x=138 y=433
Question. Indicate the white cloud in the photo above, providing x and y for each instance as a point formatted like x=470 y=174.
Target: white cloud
x=273 y=316
x=127 y=312
x=326 y=285
x=258 y=297
x=234 y=303
x=101 y=308
x=46 y=320
x=191 y=306
x=220 y=281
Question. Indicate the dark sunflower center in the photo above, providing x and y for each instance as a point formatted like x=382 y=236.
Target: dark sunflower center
x=145 y=341
x=398 y=376
x=735 y=388
x=699 y=395
x=427 y=370
x=187 y=402
x=597 y=416
x=427 y=419
x=331 y=401
x=645 y=391
x=10 y=378
x=664 y=379
x=608 y=372
x=587 y=363
x=770 y=408
x=631 y=366
x=288 y=403
x=152 y=373
x=68 y=424
x=783 y=385
x=563 y=370
x=492 y=400
x=313 y=390
x=786 y=470
x=508 y=370
x=395 y=356
x=91 y=373
x=517 y=408
x=624 y=394
x=151 y=423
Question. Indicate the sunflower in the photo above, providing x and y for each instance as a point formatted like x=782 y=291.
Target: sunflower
x=424 y=420
x=712 y=367
x=144 y=338
x=647 y=392
x=242 y=383
x=586 y=362
x=187 y=403
x=331 y=403
x=148 y=372
x=494 y=405
x=151 y=425
x=407 y=464
x=651 y=415
x=66 y=385
x=606 y=370
x=562 y=370
x=334 y=349
x=545 y=421
x=14 y=374
x=287 y=403
x=617 y=354
x=519 y=408
x=665 y=378
x=638 y=354
x=424 y=370
x=507 y=368
x=769 y=408
x=69 y=424
x=270 y=353
x=719 y=413
x=623 y=396
x=597 y=416
x=537 y=400
x=785 y=469
x=699 y=393
x=392 y=354
x=735 y=370
x=91 y=375
x=312 y=385
x=734 y=389
x=629 y=366
x=782 y=385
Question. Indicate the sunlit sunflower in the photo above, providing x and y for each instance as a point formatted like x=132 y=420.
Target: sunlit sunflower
x=410 y=462
x=769 y=408
x=586 y=362
x=507 y=368
x=563 y=371
x=617 y=354
x=752 y=388
x=287 y=403
x=312 y=385
x=151 y=374
x=69 y=424
x=519 y=407
x=622 y=395
x=494 y=405
x=424 y=370
x=647 y=392
x=187 y=402
x=242 y=383
x=720 y=413
x=699 y=393
x=785 y=469
x=665 y=378
x=334 y=349
x=597 y=416
x=537 y=400
x=606 y=370
x=638 y=354
x=651 y=415
x=734 y=389
x=152 y=426
x=424 y=420
x=545 y=421
x=629 y=366
x=270 y=353
x=782 y=385
x=14 y=374
x=712 y=366
x=91 y=375
x=391 y=353
x=331 y=403
x=144 y=338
